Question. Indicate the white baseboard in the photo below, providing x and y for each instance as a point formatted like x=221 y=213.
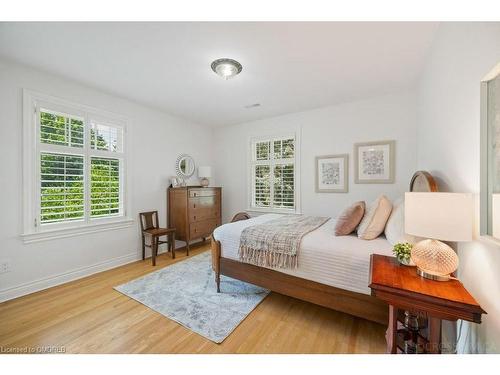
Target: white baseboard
x=48 y=282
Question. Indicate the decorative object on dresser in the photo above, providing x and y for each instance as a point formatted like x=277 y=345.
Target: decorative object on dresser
x=332 y=173
x=194 y=211
x=184 y=167
x=150 y=227
x=374 y=162
x=175 y=182
x=439 y=216
x=417 y=306
x=204 y=173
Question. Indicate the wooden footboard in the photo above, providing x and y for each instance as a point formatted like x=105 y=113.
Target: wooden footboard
x=357 y=304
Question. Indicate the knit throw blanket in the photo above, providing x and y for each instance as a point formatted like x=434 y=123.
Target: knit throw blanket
x=276 y=243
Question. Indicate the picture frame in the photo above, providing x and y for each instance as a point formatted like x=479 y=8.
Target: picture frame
x=374 y=162
x=332 y=173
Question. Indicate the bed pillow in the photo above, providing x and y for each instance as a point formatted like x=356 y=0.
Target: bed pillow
x=373 y=223
x=349 y=219
x=395 y=227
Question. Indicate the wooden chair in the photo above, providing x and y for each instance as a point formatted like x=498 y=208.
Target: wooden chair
x=150 y=226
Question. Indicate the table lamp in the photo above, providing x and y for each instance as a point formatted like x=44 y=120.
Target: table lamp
x=437 y=216
x=204 y=173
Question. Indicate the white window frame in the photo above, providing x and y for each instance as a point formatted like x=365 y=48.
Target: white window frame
x=32 y=230
x=251 y=163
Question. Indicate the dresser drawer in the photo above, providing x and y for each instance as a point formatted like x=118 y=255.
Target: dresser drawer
x=203 y=214
x=202 y=228
x=203 y=202
x=206 y=192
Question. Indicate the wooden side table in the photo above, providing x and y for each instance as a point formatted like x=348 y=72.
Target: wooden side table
x=425 y=302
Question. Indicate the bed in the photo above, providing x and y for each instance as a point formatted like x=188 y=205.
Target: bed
x=332 y=272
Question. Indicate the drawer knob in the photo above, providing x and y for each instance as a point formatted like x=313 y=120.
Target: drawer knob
x=194 y=217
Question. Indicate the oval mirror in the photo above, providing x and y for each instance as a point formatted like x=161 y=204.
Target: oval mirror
x=184 y=166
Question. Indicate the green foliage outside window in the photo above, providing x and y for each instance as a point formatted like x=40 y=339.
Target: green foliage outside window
x=62 y=175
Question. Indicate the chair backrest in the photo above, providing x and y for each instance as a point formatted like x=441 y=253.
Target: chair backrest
x=149 y=220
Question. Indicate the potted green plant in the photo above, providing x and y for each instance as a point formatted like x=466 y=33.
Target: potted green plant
x=403 y=253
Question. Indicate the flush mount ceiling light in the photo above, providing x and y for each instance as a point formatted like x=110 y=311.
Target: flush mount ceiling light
x=226 y=68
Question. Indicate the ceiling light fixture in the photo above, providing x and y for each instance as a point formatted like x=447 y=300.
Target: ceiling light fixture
x=226 y=68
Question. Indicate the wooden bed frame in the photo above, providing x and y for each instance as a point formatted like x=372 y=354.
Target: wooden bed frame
x=357 y=304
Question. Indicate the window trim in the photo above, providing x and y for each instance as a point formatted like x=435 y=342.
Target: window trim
x=250 y=164
x=32 y=100
x=485 y=219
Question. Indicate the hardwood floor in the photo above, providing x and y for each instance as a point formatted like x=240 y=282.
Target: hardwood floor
x=89 y=316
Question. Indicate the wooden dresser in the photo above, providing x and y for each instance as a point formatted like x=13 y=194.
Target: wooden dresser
x=194 y=212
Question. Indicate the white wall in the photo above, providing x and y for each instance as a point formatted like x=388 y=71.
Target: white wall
x=448 y=146
x=156 y=139
x=323 y=131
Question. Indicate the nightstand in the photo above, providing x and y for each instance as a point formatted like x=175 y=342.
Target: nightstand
x=417 y=305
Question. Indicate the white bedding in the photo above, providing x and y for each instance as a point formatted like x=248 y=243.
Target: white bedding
x=342 y=262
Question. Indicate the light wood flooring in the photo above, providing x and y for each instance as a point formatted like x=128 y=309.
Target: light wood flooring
x=89 y=316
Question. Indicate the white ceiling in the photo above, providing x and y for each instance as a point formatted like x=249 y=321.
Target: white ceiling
x=287 y=67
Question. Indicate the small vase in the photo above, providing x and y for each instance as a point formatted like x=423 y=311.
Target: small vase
x=405 y=262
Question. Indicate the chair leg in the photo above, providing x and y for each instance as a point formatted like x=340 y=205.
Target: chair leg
x=143 y=247
x=187 y=247
x=172 y=243
x=154 y=249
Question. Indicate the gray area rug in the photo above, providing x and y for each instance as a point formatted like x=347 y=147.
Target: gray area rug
x=186 y=292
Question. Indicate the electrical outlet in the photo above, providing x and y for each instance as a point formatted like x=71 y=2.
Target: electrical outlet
x=4 y=266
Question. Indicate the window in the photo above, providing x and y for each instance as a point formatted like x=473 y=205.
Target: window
x=490 y=154
x=274 y=174
x=74 y=168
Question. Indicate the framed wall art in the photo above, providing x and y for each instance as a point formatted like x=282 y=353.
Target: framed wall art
x=374 y=162
x=332 y=173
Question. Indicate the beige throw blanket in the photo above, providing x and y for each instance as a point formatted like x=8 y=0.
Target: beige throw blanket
x=276 y=243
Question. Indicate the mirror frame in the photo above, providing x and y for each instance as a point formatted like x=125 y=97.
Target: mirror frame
x=178 y=166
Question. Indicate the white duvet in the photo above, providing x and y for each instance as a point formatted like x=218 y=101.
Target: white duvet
x=342 y=262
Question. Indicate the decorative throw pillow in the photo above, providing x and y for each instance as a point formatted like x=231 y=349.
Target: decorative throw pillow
x=349 y=219
x=395 y=227
x=376 y=217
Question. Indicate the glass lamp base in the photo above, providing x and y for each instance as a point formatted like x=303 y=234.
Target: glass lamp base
x=432 y=276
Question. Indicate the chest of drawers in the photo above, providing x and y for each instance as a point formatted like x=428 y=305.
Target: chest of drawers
x=194 y=212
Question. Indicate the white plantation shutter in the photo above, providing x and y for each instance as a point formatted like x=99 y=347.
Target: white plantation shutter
x=262 y=187
x=81 y=167
x=284 y=196
x=105 y=187
x=61 y=187
x=274 y=174
x=61 y=129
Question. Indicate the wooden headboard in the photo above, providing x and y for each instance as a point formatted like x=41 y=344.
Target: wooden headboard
x=423 y=181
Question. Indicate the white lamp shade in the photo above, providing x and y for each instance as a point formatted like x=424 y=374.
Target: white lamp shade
x=204 y=172
x=440 y=216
